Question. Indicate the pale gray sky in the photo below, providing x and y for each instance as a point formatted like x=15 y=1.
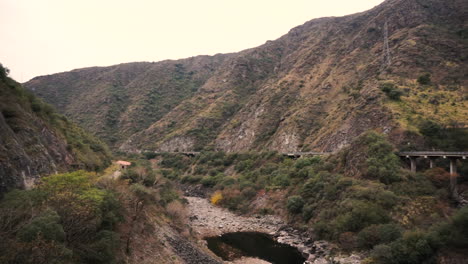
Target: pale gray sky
x=39 y=37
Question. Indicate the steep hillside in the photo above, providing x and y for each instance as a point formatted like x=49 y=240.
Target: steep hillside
x=316 y=88
x=36 y=141
x=115 y=102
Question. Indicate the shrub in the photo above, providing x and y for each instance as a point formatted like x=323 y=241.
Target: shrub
x=412 y=248
x=149 y=155
x=167 y=194
x=191 y=179
x=216 y=197
x=359 y=215
x=308 y=212
x=209 y=181
x=249 y=193
x=347 y=240
x=378 y=234
x=455 y=232
x=424 y=79
x=438 y=176
x=177 y=212
x=281 y=180
x=46 y=225
x=381 y=163
x=391 y=91
x=174 y=161
x=304 y=162
x=244 y=165
x=295 y=204
x=228 y=181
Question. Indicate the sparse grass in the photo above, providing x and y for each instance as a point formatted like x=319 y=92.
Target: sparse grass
x=443 y=105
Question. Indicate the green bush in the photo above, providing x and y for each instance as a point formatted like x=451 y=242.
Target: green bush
x=308 y=212
x=281 y=180
x=149 y=155
x=424 y=79
x=174 y=161
x=47 y=225
x=191 y=179
x=65 y=209
x=228 y=181
x=168 y=194
x=244 y=165
x=295 y=204
x=378 y=234
x=209 y=181
x=455 y=232
x=381 y=163
x=412 y=248
x=391 y=91
x=358 y=215
x=304 y=162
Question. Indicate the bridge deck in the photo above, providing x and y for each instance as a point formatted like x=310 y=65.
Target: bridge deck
x=462 y=154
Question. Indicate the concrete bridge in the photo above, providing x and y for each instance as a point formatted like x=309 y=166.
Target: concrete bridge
x=432 y=155
x=411 y=155
x=288 y=154
x=300 y=154
x=185 y=153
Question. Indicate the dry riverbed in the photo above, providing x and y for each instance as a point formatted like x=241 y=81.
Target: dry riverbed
x=208 y=220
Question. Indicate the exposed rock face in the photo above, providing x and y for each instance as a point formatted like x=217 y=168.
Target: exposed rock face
x=30 y=153
x=315 y=88
x=33 y=140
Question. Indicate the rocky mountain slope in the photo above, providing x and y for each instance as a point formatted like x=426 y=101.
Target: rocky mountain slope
x=315 y=88
x=36 y=141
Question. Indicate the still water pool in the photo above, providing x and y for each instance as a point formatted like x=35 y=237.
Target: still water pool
x=232 y=246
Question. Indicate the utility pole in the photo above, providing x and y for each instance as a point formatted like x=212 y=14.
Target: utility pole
x=386 y=60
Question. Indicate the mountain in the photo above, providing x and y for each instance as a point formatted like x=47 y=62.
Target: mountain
x=36 y=141
x=316 y=88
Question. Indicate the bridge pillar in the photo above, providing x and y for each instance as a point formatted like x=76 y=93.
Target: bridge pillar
x=453 y=177
x=453 y=166
x=431 y=161
x=413 y=164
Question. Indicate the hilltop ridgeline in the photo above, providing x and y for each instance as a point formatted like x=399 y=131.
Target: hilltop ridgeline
x=314 y=89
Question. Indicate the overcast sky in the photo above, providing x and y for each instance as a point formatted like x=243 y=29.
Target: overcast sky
x=39 y=37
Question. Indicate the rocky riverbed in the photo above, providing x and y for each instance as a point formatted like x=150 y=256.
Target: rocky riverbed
x=208 y=220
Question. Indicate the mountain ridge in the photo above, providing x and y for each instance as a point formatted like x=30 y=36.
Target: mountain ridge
x=315 y=88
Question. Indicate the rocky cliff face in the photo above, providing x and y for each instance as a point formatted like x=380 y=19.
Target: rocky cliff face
x=315 y=88
x=36 y=141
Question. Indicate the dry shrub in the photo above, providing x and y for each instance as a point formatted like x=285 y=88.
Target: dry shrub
x=216 y=197
x=177 y=212
x=438 y=176
x=348 y=240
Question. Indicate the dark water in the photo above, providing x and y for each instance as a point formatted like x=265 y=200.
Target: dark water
x=232 y=246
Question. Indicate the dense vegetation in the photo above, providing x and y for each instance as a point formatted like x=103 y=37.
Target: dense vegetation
x=362 y=199
x=83 y=217
x=66 y=219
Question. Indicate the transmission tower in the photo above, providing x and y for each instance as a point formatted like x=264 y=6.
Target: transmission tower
x=386 y=60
